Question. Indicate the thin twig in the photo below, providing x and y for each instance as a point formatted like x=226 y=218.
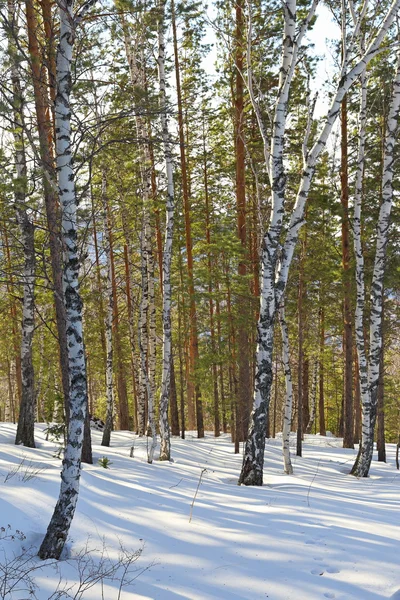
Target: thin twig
x=312 y=481
x=195 y=495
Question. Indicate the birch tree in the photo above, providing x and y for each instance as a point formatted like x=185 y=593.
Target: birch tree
x=165 y=444
x=146 y=327
x=61 y=520
x=369 y=360
x=26 y=420
x=287 y=414
x=109 y=318
x=280 y=239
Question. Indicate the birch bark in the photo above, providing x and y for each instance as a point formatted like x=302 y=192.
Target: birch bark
x=287 y=415
x=147 y=327
x=109 y=320
x=165 y=443
x=61 y=520
x=26 y=420
x=313 y=403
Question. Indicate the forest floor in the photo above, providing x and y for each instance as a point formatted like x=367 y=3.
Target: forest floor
x=314 y=535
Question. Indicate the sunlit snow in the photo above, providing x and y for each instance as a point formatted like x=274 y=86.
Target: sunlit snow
x=317 y=534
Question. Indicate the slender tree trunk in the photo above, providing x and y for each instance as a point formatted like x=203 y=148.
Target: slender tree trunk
x=220 y=370
x=370 y=365
x=305 y=393
x=123 y=408
x=287 y=414
x=109 y=317
x=131 y=321
x=98 y=279
x=26 y=421
x=217 y=426
x=321 y=368
x=9 y=411
x=193 y=387
x=60 y=523
x=13 y=318
x=46 y=149
x=380 y=439
x=165 y=443
x=313 y=402
x=143 y=338
x=147 y=329
x=276 y=396
x=300 y=356
x=244 y=398
x=173 y=402
x=357 y=403
x=348 y=415
x=181 y=311
x=233 y=368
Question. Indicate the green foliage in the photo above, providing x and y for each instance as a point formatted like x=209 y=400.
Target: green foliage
x=104 y=462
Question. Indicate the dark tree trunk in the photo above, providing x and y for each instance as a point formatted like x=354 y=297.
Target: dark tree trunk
x=244 y=390
x=321 y=402
x=380 y=440
x=305 y=394
x=193 y=387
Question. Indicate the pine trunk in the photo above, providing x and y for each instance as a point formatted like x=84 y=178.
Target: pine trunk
x=46 y=150
x=217 y=427
x=195 y=406
x=244 y=403
x=380 y=439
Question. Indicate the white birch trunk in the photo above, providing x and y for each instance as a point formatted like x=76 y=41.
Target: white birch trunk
x=151 y=375
x=369 y=366
x=142 y=335
x=147 y=331
x=287 y=414
x=61 y=520
x=275 y=269
x=26 y=420
x=109 y=320
x=165 y=442
x=253 y=458
x=313 y=398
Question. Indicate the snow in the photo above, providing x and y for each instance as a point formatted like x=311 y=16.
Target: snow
x=314 y=535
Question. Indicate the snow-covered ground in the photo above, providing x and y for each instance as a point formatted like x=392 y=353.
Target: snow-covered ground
x=318 y=534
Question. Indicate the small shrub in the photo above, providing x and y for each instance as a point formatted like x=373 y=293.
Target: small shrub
x=105 y=462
